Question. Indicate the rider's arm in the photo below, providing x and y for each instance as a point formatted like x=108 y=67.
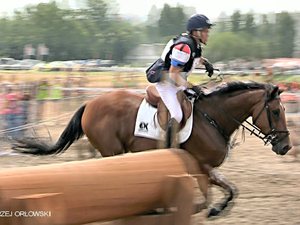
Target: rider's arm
x=203 y=60
x=175 y=75
x=181 y=54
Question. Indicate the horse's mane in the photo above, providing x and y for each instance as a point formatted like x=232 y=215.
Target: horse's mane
x=230 y=87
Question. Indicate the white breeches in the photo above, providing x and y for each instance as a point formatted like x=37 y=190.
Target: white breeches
x=167 y=92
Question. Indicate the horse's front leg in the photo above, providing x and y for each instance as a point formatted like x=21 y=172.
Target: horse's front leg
x=203 y=185
x=231 y=191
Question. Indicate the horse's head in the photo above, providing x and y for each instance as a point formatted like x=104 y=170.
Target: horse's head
x=269 y=116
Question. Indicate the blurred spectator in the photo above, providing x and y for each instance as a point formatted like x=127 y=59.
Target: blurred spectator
x=25 y=98
x=12 y=111
x=68 y=85
x=55 y=95
x=56 y=90
x=41 y=95
x=295 y=86
x=11 y=80
x=2 y=101
x=81 y=83
x=34 y=89
x=269 y=76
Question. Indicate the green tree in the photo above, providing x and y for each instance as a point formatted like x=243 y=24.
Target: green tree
x=236 y=18
x=265 y=29
x=96 y=12
x=285 y=32
x=151 y=31
x=226 y=46
x=153 y=16
x=119 y=39
x=249 y=23
x=222 y=23
x=172 y=20
x=89 y=32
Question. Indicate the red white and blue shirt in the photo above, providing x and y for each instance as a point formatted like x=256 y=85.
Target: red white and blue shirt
x=180 y=55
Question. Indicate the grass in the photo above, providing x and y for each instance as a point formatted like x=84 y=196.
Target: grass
x=288 y=78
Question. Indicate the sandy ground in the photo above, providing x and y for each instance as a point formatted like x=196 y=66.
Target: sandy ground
x=268 y=186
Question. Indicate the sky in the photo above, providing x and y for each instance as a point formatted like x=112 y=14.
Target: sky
x=211 y=8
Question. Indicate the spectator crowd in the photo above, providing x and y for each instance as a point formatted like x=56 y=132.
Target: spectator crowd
x=24 y=102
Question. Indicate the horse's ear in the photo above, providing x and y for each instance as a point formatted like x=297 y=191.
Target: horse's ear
x=274 y=92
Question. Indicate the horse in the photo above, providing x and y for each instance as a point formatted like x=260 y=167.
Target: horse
x=108 y=122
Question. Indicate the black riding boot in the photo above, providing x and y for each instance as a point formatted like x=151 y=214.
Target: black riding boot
x=172 y=128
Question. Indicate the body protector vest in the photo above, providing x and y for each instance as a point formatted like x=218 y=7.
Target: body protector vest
x=156 y=70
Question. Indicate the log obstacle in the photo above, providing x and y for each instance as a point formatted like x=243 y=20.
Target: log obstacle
x=119 y=187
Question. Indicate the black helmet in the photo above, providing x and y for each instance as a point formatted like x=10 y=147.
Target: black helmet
x=198 y=22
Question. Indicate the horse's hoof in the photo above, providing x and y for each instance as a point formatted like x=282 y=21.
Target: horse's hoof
x=213 y=212
x=219 y=211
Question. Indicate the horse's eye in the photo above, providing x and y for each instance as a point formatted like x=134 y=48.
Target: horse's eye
x=276 y=112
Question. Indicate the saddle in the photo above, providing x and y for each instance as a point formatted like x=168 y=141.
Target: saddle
x=153 y=98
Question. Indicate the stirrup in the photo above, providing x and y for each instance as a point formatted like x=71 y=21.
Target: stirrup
x=171 y=133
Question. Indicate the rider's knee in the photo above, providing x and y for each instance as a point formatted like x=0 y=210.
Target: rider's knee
x=178 y=116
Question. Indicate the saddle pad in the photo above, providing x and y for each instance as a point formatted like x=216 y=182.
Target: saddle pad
x=146 y=124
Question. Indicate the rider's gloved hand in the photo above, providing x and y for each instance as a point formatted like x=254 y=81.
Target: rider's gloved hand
x=197 y=90
x=193 y=90
x=209 y=67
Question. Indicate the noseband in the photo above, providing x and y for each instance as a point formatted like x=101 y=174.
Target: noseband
x=273 y=135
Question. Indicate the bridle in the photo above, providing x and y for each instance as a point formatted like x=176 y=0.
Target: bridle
x=270 y=138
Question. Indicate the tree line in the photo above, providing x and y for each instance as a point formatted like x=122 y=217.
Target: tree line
x=90 y=32
x=95 y=32
x=252 y=36
x=248 y=36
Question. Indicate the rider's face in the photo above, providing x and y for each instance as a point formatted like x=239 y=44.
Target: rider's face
x=202 y=35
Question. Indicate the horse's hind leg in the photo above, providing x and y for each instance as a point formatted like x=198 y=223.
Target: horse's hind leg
x=219 y=180
x=107 y=145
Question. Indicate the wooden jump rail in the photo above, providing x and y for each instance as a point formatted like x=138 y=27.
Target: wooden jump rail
x=116 y=188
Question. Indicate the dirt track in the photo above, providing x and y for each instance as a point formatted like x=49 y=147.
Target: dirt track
x=268 y=186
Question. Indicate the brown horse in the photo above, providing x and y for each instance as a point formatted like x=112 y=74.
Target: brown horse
x=108 y=122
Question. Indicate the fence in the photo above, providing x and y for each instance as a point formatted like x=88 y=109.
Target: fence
x=120 y=187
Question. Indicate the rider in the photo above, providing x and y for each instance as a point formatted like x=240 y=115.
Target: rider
x=180 y=56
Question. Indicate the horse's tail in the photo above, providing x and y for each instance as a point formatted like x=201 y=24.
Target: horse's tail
x=72 y=132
